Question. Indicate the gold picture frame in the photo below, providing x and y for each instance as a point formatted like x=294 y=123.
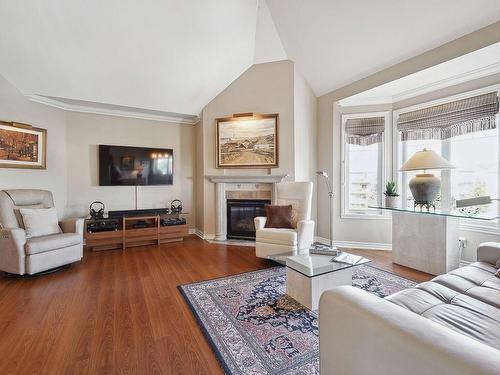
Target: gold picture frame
x=22 y=146
x=247 y=140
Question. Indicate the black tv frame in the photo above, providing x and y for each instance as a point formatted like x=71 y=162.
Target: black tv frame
x=102 y=177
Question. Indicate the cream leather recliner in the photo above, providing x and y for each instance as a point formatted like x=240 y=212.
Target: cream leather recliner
x=21 y=255
x=271 y=241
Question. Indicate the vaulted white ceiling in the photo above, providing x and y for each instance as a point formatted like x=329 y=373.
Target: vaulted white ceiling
x=167 y=55
x=337 y=42
x=174 y=56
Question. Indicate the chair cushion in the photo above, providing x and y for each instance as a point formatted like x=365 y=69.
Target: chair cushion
x=279 y=216
x=36 y=245
x=466 y=300
x=40 y=221
x=279 y=236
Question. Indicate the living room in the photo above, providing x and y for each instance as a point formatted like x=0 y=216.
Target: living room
x=180 y=199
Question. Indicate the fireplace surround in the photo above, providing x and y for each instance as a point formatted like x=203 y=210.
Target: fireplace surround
x=239 y=187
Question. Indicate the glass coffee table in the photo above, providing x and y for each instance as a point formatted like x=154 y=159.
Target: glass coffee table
x=308 y=276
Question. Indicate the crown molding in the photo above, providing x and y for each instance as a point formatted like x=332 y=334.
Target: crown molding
x=424 y=89
x=447 y=82
x=132 y=113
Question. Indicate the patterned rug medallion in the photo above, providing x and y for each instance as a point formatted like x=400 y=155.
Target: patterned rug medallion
x=255 y=328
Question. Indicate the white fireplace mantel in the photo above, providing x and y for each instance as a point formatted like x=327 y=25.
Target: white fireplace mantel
x=223 y=181
x=269 y=179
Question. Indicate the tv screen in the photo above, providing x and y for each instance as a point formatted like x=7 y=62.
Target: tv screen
x=125 y=165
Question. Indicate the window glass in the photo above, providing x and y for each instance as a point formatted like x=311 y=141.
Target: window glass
x=475 y=157
x=476 y=160
x=364 y=175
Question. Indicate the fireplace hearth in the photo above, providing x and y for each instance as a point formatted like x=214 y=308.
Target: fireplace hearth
x=240 y=215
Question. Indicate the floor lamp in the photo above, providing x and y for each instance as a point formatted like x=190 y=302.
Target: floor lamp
x=330 y=196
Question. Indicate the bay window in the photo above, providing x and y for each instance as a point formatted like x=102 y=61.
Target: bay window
x=463 y=131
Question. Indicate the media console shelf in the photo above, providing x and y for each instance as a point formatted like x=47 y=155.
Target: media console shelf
x=136 y=231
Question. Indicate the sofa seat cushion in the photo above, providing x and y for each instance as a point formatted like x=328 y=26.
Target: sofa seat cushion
x=51 y=242
x=278 y=236
x=466 y=300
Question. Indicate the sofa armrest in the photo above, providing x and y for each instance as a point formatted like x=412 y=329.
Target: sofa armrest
x=489 y=252
x=12 y=254
x=260 y=222
x=305 y=234
x=72 y=225
x=364 y=334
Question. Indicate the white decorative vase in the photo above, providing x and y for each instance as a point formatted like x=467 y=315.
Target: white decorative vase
x=391 y=201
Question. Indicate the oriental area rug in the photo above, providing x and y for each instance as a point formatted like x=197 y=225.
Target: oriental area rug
x=255 y=328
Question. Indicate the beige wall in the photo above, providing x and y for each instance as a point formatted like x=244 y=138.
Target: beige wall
x=199 y=185
x=305 y=137
x=263 y=88
x=373 y=231
x=86 y=131
x=15 y=107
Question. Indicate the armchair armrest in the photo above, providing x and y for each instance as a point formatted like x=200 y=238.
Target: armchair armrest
x=260 y=222
x=74 y=225
x=489 y=252
x=366 y=335
x=12 y=254
x=305 y=234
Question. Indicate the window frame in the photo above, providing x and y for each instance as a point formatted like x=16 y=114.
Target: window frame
x=484 y=226
x=384 y=162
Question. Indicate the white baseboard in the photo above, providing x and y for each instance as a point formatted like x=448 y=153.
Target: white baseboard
x=192 y=231
x=204 y=236
x=357 y=245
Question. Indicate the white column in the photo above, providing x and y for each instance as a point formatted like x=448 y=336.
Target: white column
x=220 y=212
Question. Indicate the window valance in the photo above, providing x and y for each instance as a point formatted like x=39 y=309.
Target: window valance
x=365 y=131
x=450 y=119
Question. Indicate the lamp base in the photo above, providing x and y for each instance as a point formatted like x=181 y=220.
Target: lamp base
x=424 y=204
x=425 y=188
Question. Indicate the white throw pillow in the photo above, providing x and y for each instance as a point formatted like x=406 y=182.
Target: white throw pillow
x=40 y=221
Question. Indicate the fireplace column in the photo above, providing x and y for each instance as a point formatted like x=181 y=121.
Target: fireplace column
x=220 y=212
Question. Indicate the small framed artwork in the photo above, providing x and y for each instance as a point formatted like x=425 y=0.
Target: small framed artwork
x=22 y=146
x=247 y=141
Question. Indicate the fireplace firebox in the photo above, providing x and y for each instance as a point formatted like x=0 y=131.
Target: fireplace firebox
x=240 y=215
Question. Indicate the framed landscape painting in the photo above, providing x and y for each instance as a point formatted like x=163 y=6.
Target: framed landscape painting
x=22 y=146
x=247 y=141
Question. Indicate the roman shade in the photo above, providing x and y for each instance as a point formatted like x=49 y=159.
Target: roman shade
x=449 y=120
x=365 y=131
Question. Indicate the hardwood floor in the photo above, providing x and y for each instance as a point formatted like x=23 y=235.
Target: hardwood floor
x=121 y=313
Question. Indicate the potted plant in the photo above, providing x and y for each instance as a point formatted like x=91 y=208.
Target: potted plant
x=391 y=195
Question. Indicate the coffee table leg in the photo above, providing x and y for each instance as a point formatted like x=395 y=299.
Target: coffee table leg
x=308 y=290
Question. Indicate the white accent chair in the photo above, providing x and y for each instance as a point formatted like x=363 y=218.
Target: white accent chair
x=271 y=241
x=21 y=255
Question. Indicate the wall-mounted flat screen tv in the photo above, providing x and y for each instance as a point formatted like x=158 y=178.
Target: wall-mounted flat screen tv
x=126 y=165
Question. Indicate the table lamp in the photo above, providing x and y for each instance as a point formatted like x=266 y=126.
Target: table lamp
x=425 y=187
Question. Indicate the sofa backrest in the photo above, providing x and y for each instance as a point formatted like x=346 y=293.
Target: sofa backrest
x=12 y=200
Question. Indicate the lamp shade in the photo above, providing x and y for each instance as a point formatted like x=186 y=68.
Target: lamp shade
x=426 y=159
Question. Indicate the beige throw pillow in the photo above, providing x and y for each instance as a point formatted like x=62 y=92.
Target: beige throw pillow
x=40 y=221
